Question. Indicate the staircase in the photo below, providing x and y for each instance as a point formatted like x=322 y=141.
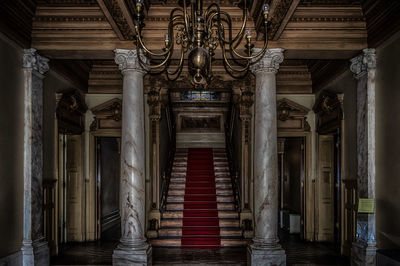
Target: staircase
x=200 y=210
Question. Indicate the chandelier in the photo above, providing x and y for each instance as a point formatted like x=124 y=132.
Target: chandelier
x=199 y=32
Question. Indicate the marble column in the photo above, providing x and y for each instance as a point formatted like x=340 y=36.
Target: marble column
x=133 y=248
x=34 y=246
x=363 y=250
x=265 y=249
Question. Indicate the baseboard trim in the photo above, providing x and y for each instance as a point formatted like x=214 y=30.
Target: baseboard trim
x=12 y=259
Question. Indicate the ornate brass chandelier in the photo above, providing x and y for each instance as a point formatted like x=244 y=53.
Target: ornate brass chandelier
x=199 y=32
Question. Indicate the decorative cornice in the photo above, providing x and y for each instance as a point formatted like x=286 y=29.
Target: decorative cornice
x=363 y=62
x=32 y=59
x=128 y=60
x=277 y=16
x=327 y=19
x=268 y=62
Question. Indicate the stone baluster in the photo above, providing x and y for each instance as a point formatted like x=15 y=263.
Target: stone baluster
x=133 y=248
x=34 y=246
x=363 y=66
x=265 y=249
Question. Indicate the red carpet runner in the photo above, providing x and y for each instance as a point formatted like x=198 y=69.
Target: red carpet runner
x=200 y=214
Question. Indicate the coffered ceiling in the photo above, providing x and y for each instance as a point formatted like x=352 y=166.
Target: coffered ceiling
x=80 y=35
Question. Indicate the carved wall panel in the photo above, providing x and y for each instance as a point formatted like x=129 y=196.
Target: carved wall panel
x=291 y=116
x=108 y=115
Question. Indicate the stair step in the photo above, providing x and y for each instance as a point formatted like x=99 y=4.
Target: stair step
x=221 y=206
x=200 y=221
x=176 y=242
x=224 y=232
x=179 y=214
x=199 y=198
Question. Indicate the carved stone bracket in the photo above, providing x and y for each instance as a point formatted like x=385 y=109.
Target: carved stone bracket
x=329 y=111
x=71 y=112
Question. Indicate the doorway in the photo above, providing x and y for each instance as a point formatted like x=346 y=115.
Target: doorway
x=108 y=176
x=291 y=172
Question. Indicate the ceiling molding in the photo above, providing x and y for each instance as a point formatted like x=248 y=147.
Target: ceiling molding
x=119 y=17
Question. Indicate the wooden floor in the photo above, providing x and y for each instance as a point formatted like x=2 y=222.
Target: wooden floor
x=298 y=253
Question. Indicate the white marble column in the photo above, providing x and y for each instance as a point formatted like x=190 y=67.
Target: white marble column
x=34 y=246
x=133 y=248
x=363 y=66
x=265 y=249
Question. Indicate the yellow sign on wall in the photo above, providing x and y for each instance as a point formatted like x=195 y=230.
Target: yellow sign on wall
x=366 y=205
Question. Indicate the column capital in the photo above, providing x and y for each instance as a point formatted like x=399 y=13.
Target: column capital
x=32 y=59
x=128 y=60
x=268 y=62
x=363 y=62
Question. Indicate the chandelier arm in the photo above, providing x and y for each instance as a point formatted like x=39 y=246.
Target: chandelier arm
x=170 y=30
x=242 y=28
x=256 y=55
x=185 y=16
x=245 y=68
x=180 y=63
x=176 y=75
x=238 y=36
x=148 y=66
x=210 y=23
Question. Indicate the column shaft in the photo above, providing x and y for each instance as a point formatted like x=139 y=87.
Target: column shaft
x=133 y=248
x=265 y=249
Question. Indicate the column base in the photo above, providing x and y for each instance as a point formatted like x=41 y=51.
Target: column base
x=260 y=255
x=363 y=254
x=27 y=257
x=132 y=256
x=41 y=252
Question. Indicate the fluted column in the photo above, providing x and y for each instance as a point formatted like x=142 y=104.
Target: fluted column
x=265 y=249
x=34 y=247
x=133 y=248
x=363 y=66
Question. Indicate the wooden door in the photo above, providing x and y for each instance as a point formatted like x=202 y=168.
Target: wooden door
x=325 y=186
x=74 y=184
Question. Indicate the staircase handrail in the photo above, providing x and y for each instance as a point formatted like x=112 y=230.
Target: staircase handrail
x=166 y=176
x=234 y=173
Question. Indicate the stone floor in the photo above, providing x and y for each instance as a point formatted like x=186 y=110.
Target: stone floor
x=298 y=253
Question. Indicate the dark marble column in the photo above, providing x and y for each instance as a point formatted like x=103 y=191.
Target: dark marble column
x=34 y=246
x=133 y=248
x=363 y=66
x=265 y=249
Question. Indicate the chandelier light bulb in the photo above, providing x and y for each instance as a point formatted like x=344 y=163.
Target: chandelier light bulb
x=266 y=9
x=248 y=33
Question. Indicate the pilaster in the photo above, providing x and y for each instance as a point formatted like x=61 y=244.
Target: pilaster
x=34 y=246
x=154 y=101
x=364 y=66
